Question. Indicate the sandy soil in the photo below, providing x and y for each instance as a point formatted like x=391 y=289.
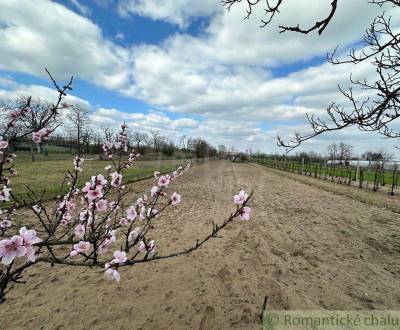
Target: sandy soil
x=305 y=248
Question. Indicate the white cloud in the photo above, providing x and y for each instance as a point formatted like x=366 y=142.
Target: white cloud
x=228 y=69
x=84 y=10
x=119 y=36
x=178 y=12
x=9 y=89
x=61 y=40
x=154 y=120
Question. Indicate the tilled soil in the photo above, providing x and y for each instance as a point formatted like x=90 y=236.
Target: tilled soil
x=304 y=248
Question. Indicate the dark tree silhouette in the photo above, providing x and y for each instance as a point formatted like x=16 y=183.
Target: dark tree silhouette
x=272 y=10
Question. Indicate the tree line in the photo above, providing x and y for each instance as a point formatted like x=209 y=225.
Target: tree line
x=75 y=134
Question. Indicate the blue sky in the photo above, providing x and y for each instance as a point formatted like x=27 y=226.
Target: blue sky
x=186 y=68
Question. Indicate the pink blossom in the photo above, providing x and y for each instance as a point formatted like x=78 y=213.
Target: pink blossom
x=151 y=247
x=153 y=191
x=143 y=213
x=152 y=213
x=64 y=223
x=113 y=235
x=116 y=179
x=37 y=208
x=36 y=138
x=3 y=144
x=93 y=194
x=134 y=234
x=83 y=215
x=30 y=253
x=71 y=206
x=5 y=224
x=123 y=222
x=11 y=249
x=163 y=181
x=175 y=198
x=29 y=236
x=103 y=248
x=67 y=206
x=66 y=217
x=79 y=231
x=112 y=274
x=119 y=257
x=99 y=180
x=131 y=213
x=142 y=246
x=101 y=205
x=114 y=206
x=78 y=161
x=5 y=194
x=240 y=198
x=80 y=248
x=245 y=213
x=42 y=134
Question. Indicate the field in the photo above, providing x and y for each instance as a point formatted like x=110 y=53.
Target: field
x=306 y=247
x=47 y=173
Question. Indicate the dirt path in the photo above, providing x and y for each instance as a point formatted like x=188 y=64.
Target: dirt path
x=305 y=248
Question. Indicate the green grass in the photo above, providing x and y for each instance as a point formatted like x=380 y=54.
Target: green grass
x=48 y=175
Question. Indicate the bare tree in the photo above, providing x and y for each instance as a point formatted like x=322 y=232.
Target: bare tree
x=332 y=151
x=139 y=139
x=272 y=10
x=39 y=115
x=222 y=151
x=78 y=117
x=108 y=133
x=182 y=142
x=345 y=151
x=155 y=139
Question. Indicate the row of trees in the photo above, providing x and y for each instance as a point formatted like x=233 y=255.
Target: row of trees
x=74 y=131
x=340 y=153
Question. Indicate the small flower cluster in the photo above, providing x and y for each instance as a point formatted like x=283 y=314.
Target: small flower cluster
x=5 y=221
x=40 y=135
x=19 y=246
x=6 y=158
x=16 y=115
x=3 y=144
x=78 y=161
x=245 y=211
x=121 y=143
x=144 y=210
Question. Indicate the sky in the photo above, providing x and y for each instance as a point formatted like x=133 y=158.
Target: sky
x=189 y=67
